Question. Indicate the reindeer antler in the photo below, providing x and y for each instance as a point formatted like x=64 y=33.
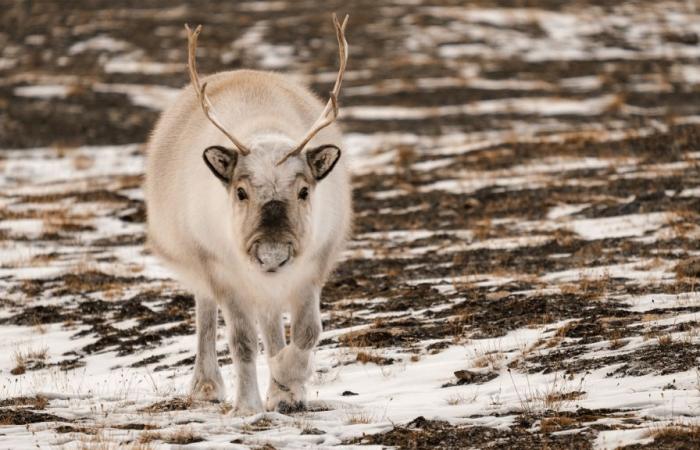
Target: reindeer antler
x=202 y=96
x=330 y=112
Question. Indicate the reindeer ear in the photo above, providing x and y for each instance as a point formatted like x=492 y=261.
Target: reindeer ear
x=221 y=161
x=322 y=159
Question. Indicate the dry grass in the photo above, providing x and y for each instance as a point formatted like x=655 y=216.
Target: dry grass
x=688 y=269
x=60 y=220
x=261 y=424
x=617 y=104
x=458 y=326
x=62 y=150
x=455 y=399
x=665 y=339
x=174 y=404
x=181 y=436
x=594 y=288
x=617 y=343
x=27 y=358
x=677 y=434
x=559 y=335
x=556 y=423
x=225 y=408
x=359 y=417
x=491 y=358
x=86 y=276
x=565 y=237
x=648 y=317
x=460 y=399
x=372 y=357
x=691 y=335
x=554 y=396
x=149 y=436
x=682 y=222
x=99 y=441
x=83 y=162
x=37 y=402
x=555 y=400
x=482 y=230
x=589 y=288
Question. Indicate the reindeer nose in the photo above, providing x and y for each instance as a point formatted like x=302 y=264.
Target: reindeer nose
x=272 y=255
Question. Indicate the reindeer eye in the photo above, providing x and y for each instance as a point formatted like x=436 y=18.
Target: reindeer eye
x=241 y=193
x=304 y=193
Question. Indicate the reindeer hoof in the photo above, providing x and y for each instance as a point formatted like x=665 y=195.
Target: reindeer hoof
x=208 y=390
x=285 y=398
x=290 y=408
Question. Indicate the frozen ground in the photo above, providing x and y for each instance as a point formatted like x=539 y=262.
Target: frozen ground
x=524 y=266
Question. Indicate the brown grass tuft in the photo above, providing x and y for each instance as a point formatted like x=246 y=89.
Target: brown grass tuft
x=677 y=436
x=365 y=357
x=556 y=423
x=362 y=417
x=30 y=358
x=665 y=339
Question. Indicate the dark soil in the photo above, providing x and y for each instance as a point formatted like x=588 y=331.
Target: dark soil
x=671 y=438
x=24 y=416
x=433 y=434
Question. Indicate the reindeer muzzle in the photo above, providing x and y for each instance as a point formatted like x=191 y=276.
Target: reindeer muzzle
x=272 y=255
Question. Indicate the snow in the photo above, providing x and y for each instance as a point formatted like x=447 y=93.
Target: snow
x=268 y=56
x=7 y=63
x=131 y=63
x=619 y=226
x=99 y=43
x=546 y=106
x=46 y=91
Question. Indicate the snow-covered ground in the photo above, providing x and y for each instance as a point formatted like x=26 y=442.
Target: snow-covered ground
x=525 y=262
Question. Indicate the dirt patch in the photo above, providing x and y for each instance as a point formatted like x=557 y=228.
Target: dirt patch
x=175 y=404
x=24 y=416
x=37 y=402
x=689 y=268
x=653 y=359
x=660 y=359
x=671 y=438
x=470 y=377
x=431 y=434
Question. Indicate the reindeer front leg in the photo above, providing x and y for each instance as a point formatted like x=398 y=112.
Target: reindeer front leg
x=290 y=368
x=207 y=383
x=243 y=345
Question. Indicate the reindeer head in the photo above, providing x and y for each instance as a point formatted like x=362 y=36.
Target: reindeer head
x=271 y=183
x=271 y=202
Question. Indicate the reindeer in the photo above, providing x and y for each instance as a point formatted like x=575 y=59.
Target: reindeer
x=250 y=210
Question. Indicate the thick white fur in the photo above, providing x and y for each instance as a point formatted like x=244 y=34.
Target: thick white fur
x=192 y=228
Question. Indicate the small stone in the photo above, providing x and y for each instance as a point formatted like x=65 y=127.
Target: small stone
x=465 y=376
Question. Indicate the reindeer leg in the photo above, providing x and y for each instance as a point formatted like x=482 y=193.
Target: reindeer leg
x=272 y=329
x=290 y=368
x=207 y=383
x=243 y=344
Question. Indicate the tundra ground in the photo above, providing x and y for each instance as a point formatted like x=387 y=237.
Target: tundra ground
x=524 y=267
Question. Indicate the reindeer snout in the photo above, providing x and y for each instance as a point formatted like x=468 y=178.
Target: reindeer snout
x=272 y=255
